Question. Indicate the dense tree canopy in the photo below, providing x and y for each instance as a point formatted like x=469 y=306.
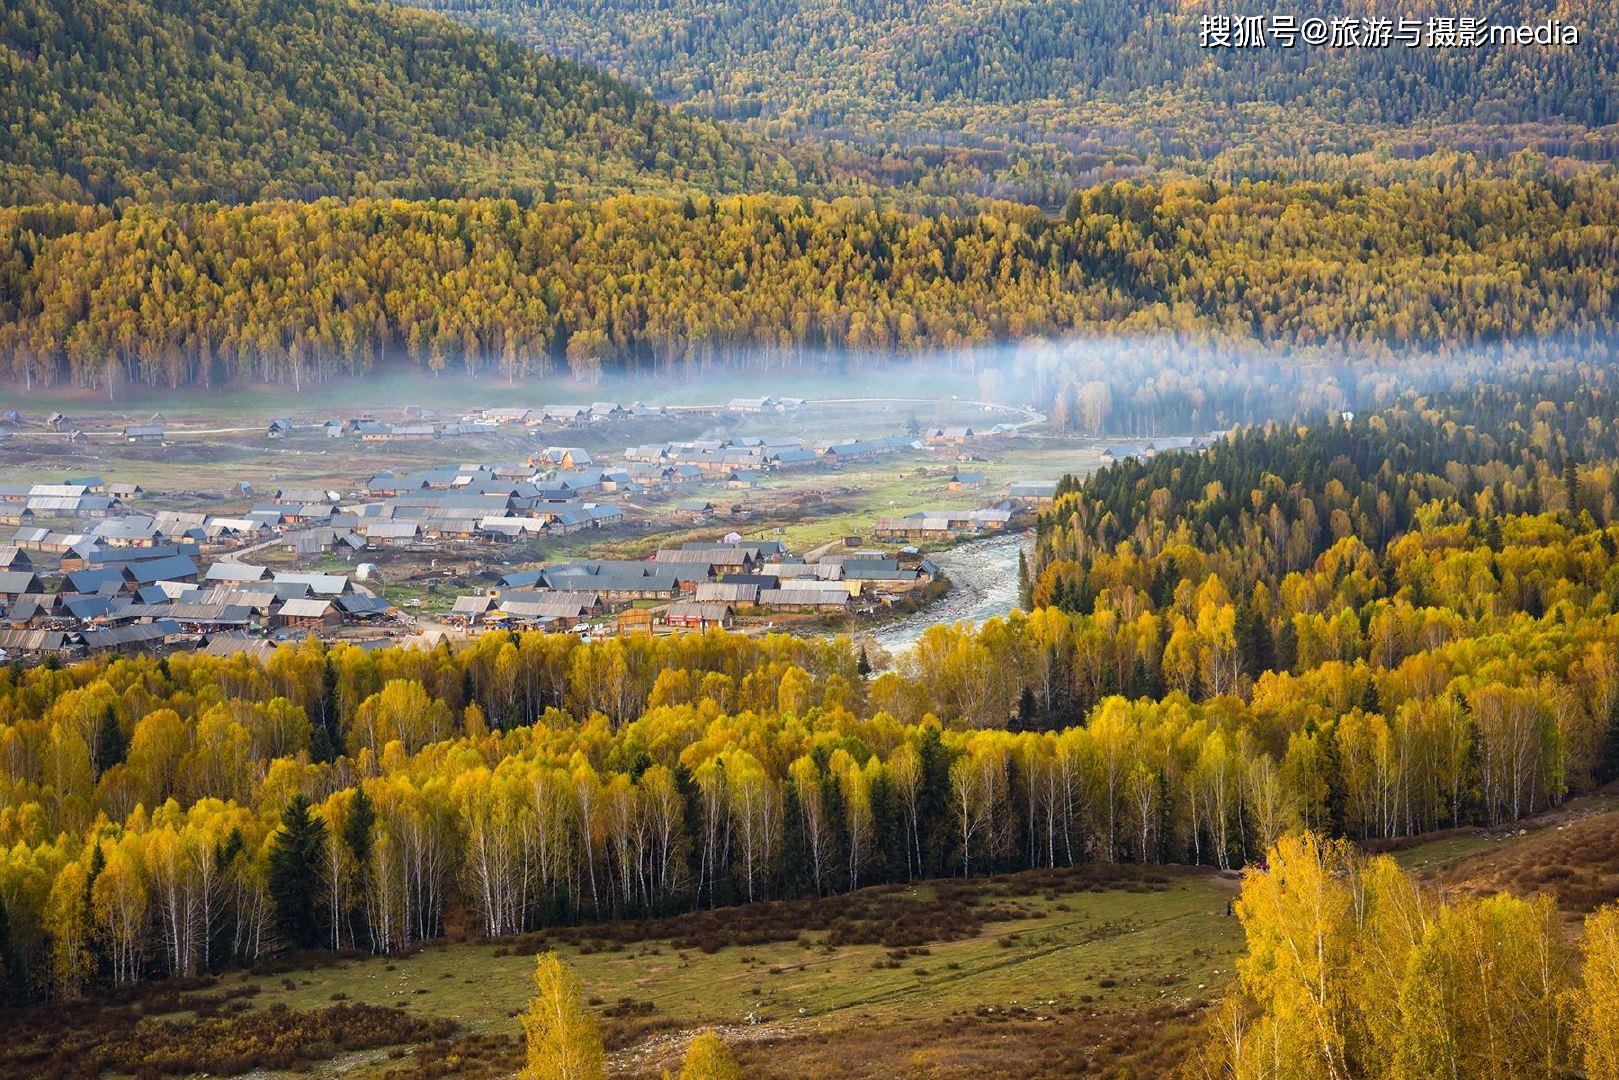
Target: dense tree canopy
x=1370 y=629
x=295 y=292
x=843 y=57
x=1364 y=626
x=1020 y=98
x=1352 y=970
x=250 y=99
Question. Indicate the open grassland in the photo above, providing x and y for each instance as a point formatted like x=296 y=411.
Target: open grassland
x=1031 y=974
x=1072 y=939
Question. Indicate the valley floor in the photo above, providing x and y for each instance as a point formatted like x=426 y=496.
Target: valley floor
x=1096 y=970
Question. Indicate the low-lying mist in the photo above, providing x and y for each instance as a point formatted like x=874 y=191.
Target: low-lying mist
x=1121 y=385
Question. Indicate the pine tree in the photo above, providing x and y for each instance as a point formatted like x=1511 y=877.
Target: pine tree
x=691 y=821
x=326 y=741
x=225 y=943
x=297 y=855
x=1025 y=583
x=1264 y=644
x=357 y=838
x=1370 y=701
x=321 y=750
x=794 y=856
x=1607 y=764
x=888 y=833
x=933 y=803
x=1337 y=796
x=1164 y=579
x=563 y=1040
x=1027 y=710
x=837 y=848
x=109 y=745
x=1287 y=646
x=1140 y=677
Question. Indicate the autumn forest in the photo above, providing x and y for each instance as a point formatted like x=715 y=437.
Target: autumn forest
x=1366 y=629
x=1372 y=610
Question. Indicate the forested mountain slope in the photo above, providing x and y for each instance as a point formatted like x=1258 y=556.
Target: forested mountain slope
x=327 y=115
x=246 y=99
x=844 y=57
x=1003 y=95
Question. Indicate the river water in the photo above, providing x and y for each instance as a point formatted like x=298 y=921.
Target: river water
x=983 y=584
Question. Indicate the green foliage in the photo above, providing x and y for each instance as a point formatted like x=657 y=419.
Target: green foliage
x=297 y=853
x=359 y=837
x=240 y=100
x=109 y=748
x=1039 y=95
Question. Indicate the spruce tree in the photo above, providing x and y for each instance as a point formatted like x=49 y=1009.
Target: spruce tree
x=1492 y=534
x=297 y=854
x=888 y=833
x=99 y=961
x=1370 y=700
x=1607 y=766
x=226 y=944
x=933 y=803
x=321 y=750
x=794 y=858
x=1140 y=677
x=1027 y=710
x=327 y=741
x=832 y=802
x=1287 y=646
x=357 y=828
x=109 y=745
x=692 y=822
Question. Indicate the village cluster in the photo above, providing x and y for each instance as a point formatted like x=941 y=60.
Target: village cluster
x=93 y=566
x=420 y=423
x=697 y=585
